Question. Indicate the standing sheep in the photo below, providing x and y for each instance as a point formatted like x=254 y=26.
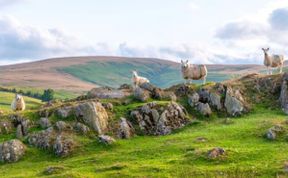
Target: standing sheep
x=193 y=72
x=18 y=103
x=273 y=61
x=138 y=80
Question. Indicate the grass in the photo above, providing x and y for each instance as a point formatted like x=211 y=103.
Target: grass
x=248 y=153
x=6 y=99
x=114 y=74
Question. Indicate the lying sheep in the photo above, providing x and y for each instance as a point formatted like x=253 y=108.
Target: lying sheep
x=193 y=72
x=138 y=80
x=18 y=103
x=273 y=61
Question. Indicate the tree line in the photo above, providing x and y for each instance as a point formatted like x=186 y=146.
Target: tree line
x=47 y=94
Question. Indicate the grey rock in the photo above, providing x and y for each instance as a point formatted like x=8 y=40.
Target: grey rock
x=64 y=112
x=232 y=104
x=204 y=95
x=215 y=101
x=108 y=106
x=19 y=132
x=12 y=151
x=126 y=129
x=81 y=128
x=141 y=94
x=62 y=126
x=44 y=123
x=204 y=109
x=43 y=139
x=284 y=94
x=193 y=99
x=94 y=115
x=107 y=140
x=63 y=146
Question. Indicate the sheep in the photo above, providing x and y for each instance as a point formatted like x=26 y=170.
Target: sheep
x=272 y=61
x=193 y=72
x=18 y=104
x=138 y=80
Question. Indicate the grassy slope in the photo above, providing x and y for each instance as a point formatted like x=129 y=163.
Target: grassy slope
x=115 y=73
x=178 y=154
x=6 y=99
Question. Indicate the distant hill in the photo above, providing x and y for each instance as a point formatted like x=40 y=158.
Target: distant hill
x=78 y=74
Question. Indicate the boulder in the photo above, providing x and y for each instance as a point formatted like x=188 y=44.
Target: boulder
x=154 y=119
x=215 y=153
x=126 y=129
x=64 y=112
x=94 y=115
x=63 y=146
x=62 y=126
x=6 y=127
x=81 y=128
x=204 y=109
x=215 y=101
x=284 y=94
x=107 y=140
x=233 y=104
x=44 y=123
x=193 y=99
x=141 y=94
x=12 y=151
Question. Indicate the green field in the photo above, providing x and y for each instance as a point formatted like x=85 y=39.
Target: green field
x=6 y=99
x=248 y=153
x=114 y=74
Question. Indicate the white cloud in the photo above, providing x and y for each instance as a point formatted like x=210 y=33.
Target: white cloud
x=193 y=6
x=4 y=3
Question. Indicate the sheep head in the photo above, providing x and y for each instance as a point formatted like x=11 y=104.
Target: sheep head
x=184 y=64
x=265 y=50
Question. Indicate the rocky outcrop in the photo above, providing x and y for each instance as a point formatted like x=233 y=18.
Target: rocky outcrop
x=12 y=151
x=94 y=115
x=204 y=109
x=107 y=140
x=215 y=101
x=200 y=105
x=108 y=106
x=62 y=144
x=126 y=129
x=154 y=119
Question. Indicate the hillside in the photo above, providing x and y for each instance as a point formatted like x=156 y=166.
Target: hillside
x=243 y=132
x=78 y=74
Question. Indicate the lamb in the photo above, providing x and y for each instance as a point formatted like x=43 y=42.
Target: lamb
x=273 y=61
x=138 y=80
x=18 y=103
x=193 y=72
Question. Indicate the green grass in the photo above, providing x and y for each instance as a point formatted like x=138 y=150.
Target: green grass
x=249 y=154
x=114 y=74
x=6 y=99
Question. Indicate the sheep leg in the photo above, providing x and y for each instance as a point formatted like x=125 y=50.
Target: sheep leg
x=268 y=72
x=280 y=69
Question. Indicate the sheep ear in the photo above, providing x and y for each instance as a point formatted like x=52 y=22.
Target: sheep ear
x=187 y=61
x=268 y=49
x=181 y=61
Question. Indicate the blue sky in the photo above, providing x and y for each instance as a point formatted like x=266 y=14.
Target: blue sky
x=203 y=31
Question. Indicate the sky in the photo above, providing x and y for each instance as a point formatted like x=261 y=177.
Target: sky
x=201 y=31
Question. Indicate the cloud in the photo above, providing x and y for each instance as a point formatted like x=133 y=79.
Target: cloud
x=20 y=41
x=279 y=19
x=5 y=3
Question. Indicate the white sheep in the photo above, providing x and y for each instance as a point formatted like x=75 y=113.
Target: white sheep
x=193 y=72
x=273 y=61
x=138 y=80
x=18 y=104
